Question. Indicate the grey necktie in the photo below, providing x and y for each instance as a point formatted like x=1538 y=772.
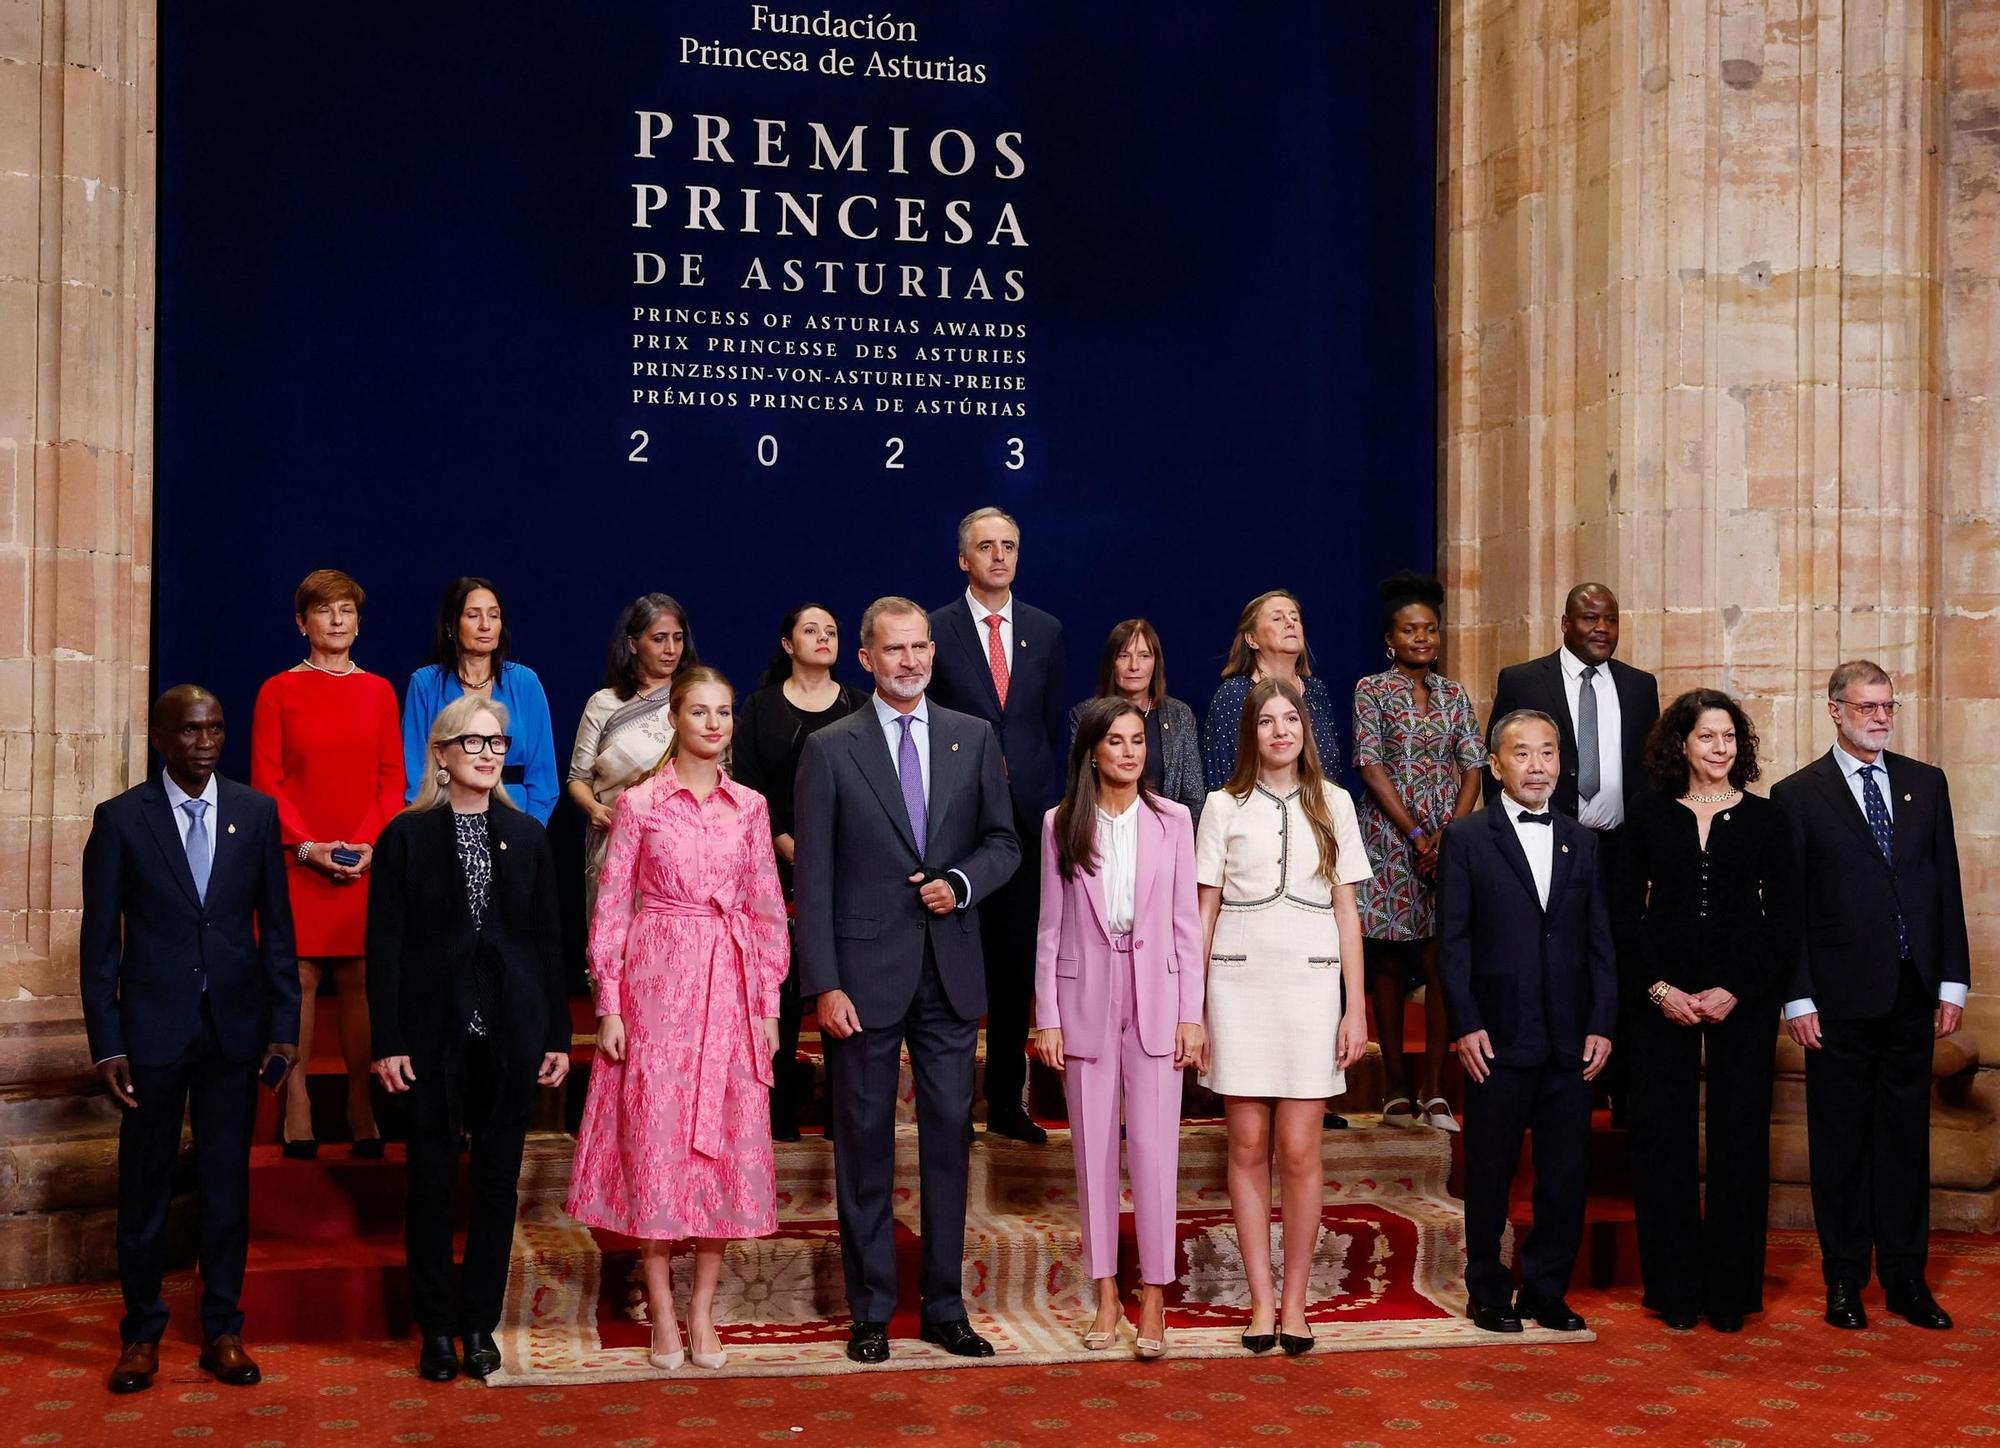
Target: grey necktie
x=198 y=850
x=1586 y=736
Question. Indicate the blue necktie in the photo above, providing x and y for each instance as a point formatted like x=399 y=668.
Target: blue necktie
x=1877 y=810
x=910 y=770
x=198 y=849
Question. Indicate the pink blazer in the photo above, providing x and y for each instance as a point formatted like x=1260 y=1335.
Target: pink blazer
x=1073 y=957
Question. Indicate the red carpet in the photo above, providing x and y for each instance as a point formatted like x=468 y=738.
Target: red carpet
x=1787 y=1380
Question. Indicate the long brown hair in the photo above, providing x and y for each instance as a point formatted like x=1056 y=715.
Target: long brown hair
x=1242 y=658
x=686 y=681
x=1076 y=817
x=1312 y=777
x=1114 y=645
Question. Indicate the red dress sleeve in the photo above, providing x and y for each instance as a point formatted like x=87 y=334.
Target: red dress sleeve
x=267 y=759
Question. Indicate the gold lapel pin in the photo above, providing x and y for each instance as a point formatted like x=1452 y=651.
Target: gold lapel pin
x=232 y=829
x=954 y=748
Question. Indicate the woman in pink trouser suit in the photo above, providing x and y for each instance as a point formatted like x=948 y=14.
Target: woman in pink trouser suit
x=1118 y=997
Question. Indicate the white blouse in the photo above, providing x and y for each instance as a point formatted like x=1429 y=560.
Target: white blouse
x=1118 y=866
x=1260 y=848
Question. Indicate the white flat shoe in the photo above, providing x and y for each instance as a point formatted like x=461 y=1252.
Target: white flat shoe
x=1398 y=1112
x=1437 y=1114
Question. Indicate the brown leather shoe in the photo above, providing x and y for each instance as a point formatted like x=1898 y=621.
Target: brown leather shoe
x=226 y=1359
x=136 y=1366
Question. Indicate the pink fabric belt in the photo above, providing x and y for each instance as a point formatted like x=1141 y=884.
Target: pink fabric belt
x=1122 y=942
x=711 y=1087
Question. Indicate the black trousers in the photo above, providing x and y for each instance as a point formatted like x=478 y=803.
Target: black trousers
x=1553 y=1101
x=863 y=1072
x=450 y=1302
x=218 y=1098
x=1008 y=919
x=785 y=1088
x=1694 y=1259
x=1868 y=1128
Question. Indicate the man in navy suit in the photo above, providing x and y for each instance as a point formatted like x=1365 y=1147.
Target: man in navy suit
x=1881 y=974
x=904 y=829
x=1530 y=987
x=189 y=989
x=1002 y=661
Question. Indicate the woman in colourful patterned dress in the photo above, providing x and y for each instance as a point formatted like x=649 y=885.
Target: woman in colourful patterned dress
x=688 y=951
x=1417 y=745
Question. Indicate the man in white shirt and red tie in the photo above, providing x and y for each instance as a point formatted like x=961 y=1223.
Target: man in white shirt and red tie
x=1000 y=660
x=1881 y=973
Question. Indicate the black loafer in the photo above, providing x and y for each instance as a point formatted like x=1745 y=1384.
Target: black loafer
x=868 y=1342
x=482 y=1355
x=1016 y=1126
x=1333 y=1121
x=438 y=1360
x=1494 y=1319
x=1914 y=1304
x=1551 y=1312
x=1683 y=1321
x=957 y=1338
x=1726 y=1321
x=1843 y=1307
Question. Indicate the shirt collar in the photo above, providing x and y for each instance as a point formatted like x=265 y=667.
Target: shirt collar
x=1515 y=808
x=1850 y=766
x=724 y=785
x=176 y=796
x=1573 y=667
x=888 y=716
x=980 y=610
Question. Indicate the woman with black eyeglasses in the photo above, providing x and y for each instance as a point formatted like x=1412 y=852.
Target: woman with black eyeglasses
x=470 y=1012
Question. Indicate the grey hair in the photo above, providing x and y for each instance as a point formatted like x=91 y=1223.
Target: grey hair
x=894 y=603
x=980 y=515
x=1509 y=720
x=1854 y=671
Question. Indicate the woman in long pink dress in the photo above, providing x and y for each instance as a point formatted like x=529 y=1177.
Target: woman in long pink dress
x=688 y=947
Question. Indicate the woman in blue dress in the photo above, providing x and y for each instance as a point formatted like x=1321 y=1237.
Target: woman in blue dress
x=1270 y=643
x=469 y=656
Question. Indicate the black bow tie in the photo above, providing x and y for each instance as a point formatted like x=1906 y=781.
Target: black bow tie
x=1544 y=818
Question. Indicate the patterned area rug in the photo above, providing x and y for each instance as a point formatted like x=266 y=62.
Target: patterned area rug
x=1387 y=1272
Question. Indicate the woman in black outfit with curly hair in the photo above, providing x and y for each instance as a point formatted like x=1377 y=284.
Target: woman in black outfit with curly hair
x=1705 y=908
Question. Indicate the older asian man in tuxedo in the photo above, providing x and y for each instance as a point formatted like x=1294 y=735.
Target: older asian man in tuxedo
x=190 y=990
x=1882 y=972
x=903 y=826
x=1531 y=991
x=1000 y=660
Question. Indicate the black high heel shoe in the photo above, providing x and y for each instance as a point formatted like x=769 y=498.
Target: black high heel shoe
x=304 y=1150
x=368 y=1148
x=1260 y=1341
x=1294 y=1345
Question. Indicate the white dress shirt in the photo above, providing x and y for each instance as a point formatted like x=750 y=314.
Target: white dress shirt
x=920 y=731
x=1118 y=867
x=1950 y=992
x=1604 y=810
x=1538 y=843
x=980 y=612
x=176 y=797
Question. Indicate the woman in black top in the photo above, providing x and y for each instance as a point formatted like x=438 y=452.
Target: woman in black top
x=797 y=696
x=469 y=1009
x=1704 y=904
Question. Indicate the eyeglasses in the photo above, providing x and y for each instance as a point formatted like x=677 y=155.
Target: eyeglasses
x=482 y=743
x=1872 y=709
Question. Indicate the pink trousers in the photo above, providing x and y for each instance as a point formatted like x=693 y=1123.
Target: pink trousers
x=1152 y=1114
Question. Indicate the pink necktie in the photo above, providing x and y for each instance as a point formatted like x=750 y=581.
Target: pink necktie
x=996 y=657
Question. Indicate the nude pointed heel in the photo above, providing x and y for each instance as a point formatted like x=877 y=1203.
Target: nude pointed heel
x=711 y=1360
x=666 y=1362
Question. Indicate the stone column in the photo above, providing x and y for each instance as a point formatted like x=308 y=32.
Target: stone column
x=76 y=459
x=1699 y=344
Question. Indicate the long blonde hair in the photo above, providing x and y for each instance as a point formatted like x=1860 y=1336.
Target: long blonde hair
x=1312 y=776
x=452 y=721
x=686 y=681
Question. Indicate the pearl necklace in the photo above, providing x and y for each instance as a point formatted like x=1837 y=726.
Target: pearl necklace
x=331 y=673
x=1724 y=798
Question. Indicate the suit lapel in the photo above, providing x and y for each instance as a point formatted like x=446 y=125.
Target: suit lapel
x=226 y=847
x=1840 y=799
x=871 y=754
x=1152 y=848
x=946 y=771
x=1902 y=808
x=160 y=820
x=1561 y=857
x=958 y=618
x=1511 y=851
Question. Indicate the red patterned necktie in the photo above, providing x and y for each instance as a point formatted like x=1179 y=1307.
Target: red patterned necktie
x=996 y=657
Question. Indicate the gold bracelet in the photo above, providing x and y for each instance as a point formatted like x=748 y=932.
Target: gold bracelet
x=1659 y=992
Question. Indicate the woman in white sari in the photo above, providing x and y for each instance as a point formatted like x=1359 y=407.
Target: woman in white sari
x=626 y=728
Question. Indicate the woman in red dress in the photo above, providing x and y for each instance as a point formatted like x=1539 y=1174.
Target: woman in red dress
x=327 y=745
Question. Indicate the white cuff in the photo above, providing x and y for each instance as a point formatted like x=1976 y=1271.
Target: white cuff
x=1803 y=1006
x=1952 y=993
x=964 y=900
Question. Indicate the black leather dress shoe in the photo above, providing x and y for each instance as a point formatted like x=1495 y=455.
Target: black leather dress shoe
x=957 y=1338
x=1551 y=1312
x=1333 y=1121
x=868 y=1342
x=437 y=1360
x=1914 y=1304
x=1016 y=1126
x=1494 y=1319
x=1682 y=1321
x=482 y=1355
x=1726 y=1321
x=1843 y=1307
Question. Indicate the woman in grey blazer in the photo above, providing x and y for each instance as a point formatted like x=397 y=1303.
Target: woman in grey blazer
x=1132 y=668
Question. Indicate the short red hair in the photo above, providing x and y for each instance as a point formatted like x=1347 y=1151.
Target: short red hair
x=326 y=585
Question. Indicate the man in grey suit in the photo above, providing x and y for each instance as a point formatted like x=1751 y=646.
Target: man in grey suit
x=903 y=824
